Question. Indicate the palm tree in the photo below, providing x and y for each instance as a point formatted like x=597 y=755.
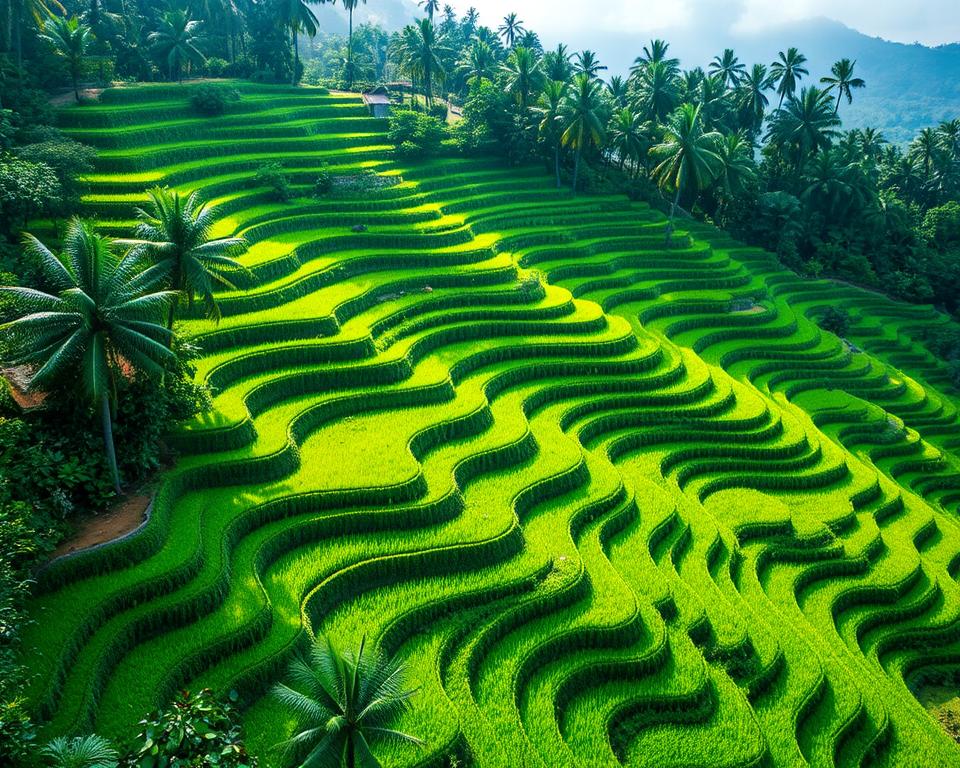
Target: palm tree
x=657 y=91
x=728 y=68
x=833 y=185
x=523 y=74
x=17 y=13
x=872 y=142
x=80 y=752
x=787 y=71
x=176 y=41
x=924 y=149
x=511 y=29
x=470 y=19
x=753 y=94
x=714 y=106
x=627 y=137
x=343 y=702
x=842 y=79
x=430 y=7
x=70 y=39
x=104 y=320
x=420 y=52
x=580 y=119
x=350 y=5
x=949 y=135
x=549 y=107
x=477 y=63
x=617 y=88
x=174 y=232
x=687 y=156
x=556 y=64
x=735 y=168
x=587 y=63
x=807 y=125
x=297 y=16
x=530 y=39
x=655 y=53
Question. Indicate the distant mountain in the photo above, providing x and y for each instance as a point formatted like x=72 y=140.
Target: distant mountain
x=389 y=14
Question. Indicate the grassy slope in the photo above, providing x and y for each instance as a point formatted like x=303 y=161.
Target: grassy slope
x=616 y=503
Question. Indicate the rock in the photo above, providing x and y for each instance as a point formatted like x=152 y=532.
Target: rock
x=427 y=289
x=359 y=228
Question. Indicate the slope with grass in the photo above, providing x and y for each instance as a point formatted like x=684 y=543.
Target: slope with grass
x=617 y=500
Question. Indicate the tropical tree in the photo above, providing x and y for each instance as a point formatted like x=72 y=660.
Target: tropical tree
x=841 y=77
x=70 y=39
x=728 y=68
x=556 y=64
x=656 y=52
x=787 y=71
x=17 y=13
x=551 y=101
x=734 y=169
x=687 y=157
x=174 y=233
x=806 y=125
x=103 y=321
x=297 y=16
x=657 y=91
x=350 y=5
x=80 y=752
x=343 y=703
x=430 y=7
x=627 y=137
x=580 y=119
x=511 y=29
x=586 y=62
x=618 y=90
x=949 y=136
x=477 y=63
x=833 y=185
x=420 y=52
x=523 y=74
x=752 y=95
x=924 y=149
x=176 y=42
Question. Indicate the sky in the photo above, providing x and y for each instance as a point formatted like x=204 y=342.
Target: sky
x=932 y=22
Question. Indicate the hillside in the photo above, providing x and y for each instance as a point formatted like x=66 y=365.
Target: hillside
x=616 y=502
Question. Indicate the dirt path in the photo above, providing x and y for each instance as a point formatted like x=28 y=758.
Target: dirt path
x=125 y=516
x=66 y=99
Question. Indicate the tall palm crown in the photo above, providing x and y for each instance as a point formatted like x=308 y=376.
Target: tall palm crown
x=71 y=39
x=511 y=29
x=102 y=318
x=586 y=62
x=18 y=11
x=627 y=136
x=80 y=752
x=656 y=52
x=925 y=149
x=176 y=41
x=841 y=77
x=478 y=62
x=735 y=168
x=657 y=91
x=351 y=5
x=752 y=94
x=787 y=71
x=430 y=7
x=523 y=74
x=617 y=87
x=556 y=64
x=548 y=108
x=807 y=124
x=949 y=135
x=297 y=16
x=344 y=702
x=174 y=232
x=421 y=51
x=580 y=118
x=728 y=68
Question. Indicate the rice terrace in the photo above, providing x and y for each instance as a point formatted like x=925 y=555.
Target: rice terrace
x=469 y=405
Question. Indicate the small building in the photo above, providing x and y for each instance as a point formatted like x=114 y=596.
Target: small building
x=377 y=101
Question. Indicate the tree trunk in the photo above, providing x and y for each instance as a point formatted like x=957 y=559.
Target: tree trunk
x=296 y=55
x=351 y=754
x=576 y=171
x=556 y=162
x=673 y=215
x=107 y=424
x=836 y=109
x=8 y=28
x=350 y=53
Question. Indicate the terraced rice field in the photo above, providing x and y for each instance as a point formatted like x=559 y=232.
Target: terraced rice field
x=616 y=503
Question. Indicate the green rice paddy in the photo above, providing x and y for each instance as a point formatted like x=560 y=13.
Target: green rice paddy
x=616 y=503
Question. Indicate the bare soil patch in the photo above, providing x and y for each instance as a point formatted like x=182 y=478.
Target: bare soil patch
x=122 y=518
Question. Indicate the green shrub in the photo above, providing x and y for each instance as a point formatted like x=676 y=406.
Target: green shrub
x=415 y=133
x=195 y=730
x=324 y=182
x=216 y=67
x=438 y=111
x=212 y=100
x=836 y=321
x=273 y=176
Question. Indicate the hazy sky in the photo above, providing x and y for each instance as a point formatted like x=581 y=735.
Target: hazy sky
x=928 y=21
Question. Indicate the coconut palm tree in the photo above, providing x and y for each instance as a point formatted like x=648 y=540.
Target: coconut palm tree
x=430 y=7
x=580 y=119
x=556 y=64
x=523 y=75
x=617 y=88
x=949 y=136
x=175 y=42
x=17 y=13
x=511 y=29
x=477 y=63
x=627 y=137
x=587 y=63
x=657 y=91
x=752 y=94
x=841 y=77
x=350 y=5
x=806 y=125
x=297 y=16
x=80 y=752
x=787 y=71
x=735 y=168
x=421 y=51
x=728 y=68
x=687 y=157
x=549 y=105
x=924 y=149
x=343 y=702
x=70 y=39
x=174 y=233
x=656 y=52
x=103 y=320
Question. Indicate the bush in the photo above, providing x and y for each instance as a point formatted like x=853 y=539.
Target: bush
x=69 y=160
x=195 y=730
x=438 y=111
x=412 y=132
x=323 y=184
x=836 y=321
x=273 y=176
x=27 y=188
x=212 y=100
x=216 y=67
